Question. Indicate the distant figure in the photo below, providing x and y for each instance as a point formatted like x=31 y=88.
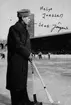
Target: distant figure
x=2 y=46
x=40 y=55
x=2 y=55
x=48 y=55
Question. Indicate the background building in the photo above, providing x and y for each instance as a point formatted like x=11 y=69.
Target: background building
x=31 y=26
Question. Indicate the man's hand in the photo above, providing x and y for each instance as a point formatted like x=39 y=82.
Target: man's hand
x=30 y=57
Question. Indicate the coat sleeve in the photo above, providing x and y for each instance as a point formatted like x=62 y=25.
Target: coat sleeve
x=20 y=48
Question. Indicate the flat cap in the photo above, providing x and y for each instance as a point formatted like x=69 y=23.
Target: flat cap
x=23 y=12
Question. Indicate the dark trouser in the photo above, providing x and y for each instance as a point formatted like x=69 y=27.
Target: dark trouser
x=19 y=97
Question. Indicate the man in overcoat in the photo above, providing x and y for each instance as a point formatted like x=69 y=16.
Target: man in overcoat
x=18 y=55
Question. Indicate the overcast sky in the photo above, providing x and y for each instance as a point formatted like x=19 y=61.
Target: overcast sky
x=8 y=9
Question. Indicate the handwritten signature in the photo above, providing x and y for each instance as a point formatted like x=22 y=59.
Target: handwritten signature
x=54 y=26
x=58 y=27
x=45 y=8
x=44 y=15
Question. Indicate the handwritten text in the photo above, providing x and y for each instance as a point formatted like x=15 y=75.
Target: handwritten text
x=45 y=9
x=54 y=26
x=58 y=27
x=44 y=15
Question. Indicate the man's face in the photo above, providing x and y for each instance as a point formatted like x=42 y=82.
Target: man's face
x=26 y=19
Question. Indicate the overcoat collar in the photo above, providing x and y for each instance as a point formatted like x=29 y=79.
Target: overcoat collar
x=20 y=26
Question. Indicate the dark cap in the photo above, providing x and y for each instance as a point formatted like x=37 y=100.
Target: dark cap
x=23 y=13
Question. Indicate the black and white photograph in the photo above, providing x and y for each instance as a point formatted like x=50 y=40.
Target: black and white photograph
x=35 y=52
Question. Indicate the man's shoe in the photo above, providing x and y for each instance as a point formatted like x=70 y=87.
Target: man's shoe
x=34 y=103
x=37 y=103
x=30 y=103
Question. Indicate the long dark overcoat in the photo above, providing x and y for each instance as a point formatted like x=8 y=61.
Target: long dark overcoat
x=18 y=44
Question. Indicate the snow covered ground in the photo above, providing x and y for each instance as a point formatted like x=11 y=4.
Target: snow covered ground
x=56 y=74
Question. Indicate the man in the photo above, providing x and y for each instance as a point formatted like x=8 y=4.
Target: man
x=40 y=55
x=19 y=52
x=48 y=55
